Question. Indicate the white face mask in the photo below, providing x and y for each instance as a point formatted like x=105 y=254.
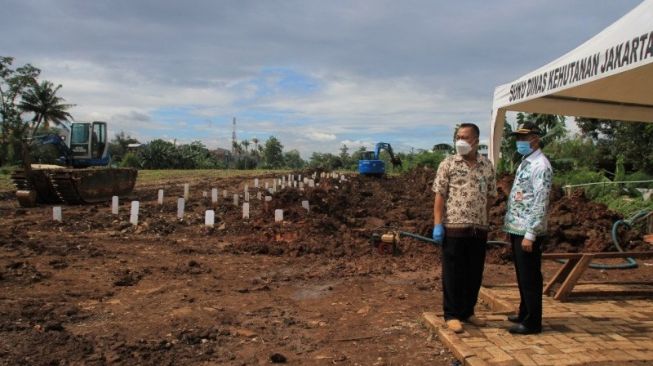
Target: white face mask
x=463 y=147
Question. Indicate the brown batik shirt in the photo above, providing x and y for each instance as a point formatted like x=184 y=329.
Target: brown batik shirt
x=466 y=192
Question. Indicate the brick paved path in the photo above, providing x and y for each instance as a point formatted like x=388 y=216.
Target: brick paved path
x=586 y=331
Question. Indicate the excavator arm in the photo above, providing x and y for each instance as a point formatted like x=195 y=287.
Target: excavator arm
x=396 y=162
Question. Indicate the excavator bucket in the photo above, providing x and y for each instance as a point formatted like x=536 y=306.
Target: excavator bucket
x=72 y=186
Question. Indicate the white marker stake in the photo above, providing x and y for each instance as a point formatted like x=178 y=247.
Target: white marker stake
x=305 y=205
x=205 y=194
x=209 y=218
x=56 y=213
x=255 y=182
x=266 y=205
x=180 y=208
x=225 y=194
x=186 y=191
x=246 y=210
x=258 y=195
x=246 y=196
x=266 y=186
x=114 y=205
x=133 y=217
x=214 y=195
x=160 y=200
x=235 y=200
x=278 y=215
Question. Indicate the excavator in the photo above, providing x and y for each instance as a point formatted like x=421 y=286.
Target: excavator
x=83 y=176
x=371 y=163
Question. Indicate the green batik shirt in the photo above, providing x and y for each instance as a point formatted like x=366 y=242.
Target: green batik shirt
x=526 y=213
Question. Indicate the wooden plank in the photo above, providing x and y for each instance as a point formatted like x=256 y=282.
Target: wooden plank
x=572 y=278
x=623 y=254
x=561 y=255
x=561 y=275
x=554 y=256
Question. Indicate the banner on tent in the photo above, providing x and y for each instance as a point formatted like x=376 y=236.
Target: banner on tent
x=623 y=54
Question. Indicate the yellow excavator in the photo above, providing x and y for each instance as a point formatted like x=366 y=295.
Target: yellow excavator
x=82 y=174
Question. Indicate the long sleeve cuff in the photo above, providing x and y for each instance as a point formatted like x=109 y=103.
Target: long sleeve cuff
x=530 y=236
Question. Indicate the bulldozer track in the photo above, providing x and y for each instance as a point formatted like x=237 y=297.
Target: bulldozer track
x=63 y=183
x=74 y=186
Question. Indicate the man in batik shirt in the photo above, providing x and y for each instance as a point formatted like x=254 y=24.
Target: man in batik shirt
x=465 y=188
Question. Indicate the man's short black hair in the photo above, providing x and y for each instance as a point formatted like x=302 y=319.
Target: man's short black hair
x=472 y=126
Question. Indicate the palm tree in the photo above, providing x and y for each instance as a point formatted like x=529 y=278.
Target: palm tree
x=245 y=144
x=255 y=141
x=42 y=100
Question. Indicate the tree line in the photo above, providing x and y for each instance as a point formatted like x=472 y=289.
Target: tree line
x=29 y=107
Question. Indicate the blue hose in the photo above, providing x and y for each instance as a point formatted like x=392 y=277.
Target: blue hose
x=630 y=262
x=418 y=237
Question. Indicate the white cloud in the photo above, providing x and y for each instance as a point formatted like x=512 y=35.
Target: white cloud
x=402 y=70
x=321 y=136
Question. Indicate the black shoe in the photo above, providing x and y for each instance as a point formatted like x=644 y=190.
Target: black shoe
x=514 y=318
x=522 y=329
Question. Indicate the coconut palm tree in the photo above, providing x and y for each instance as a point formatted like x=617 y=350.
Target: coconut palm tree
x=42 y=100
x=245 y=144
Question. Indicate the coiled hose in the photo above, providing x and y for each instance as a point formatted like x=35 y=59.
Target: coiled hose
x=628 y=223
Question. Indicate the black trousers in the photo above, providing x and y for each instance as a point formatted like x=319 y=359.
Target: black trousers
x=528 y=267
x=463 y=261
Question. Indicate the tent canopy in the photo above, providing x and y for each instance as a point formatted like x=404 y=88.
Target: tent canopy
x=609 y=77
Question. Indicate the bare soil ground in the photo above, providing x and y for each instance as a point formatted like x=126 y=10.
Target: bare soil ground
x=95 y=290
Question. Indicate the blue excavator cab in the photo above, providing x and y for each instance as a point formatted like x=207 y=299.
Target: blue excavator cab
x=372 y=165
x=85 y=145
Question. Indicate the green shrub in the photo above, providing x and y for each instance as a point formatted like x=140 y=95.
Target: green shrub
x=584 y=176
x=428 y=159
x=130 y=160
x=626 y=206
x=638 y=176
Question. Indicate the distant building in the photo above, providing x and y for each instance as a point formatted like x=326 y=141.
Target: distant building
x=221 y=154
x=134 y=146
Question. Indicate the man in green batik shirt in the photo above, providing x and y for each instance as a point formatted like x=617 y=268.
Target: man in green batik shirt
x=525 y=222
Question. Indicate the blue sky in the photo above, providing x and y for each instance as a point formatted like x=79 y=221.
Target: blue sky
x=314 y=74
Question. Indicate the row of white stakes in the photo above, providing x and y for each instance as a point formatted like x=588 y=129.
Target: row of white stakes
x=209 y=215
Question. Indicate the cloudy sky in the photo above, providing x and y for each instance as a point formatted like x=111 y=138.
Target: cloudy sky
x=314 y=74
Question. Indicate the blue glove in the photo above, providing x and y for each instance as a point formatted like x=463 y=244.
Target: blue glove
x=438 y=233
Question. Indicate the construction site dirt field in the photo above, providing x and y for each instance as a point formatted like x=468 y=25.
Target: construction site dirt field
x=96 y=290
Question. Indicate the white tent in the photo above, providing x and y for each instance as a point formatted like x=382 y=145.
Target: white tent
x=609 y=77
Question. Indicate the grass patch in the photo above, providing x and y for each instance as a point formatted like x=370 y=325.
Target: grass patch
x=5 y=179
x=147 y=177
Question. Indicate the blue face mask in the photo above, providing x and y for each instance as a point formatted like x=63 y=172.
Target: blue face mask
x=524 y=147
